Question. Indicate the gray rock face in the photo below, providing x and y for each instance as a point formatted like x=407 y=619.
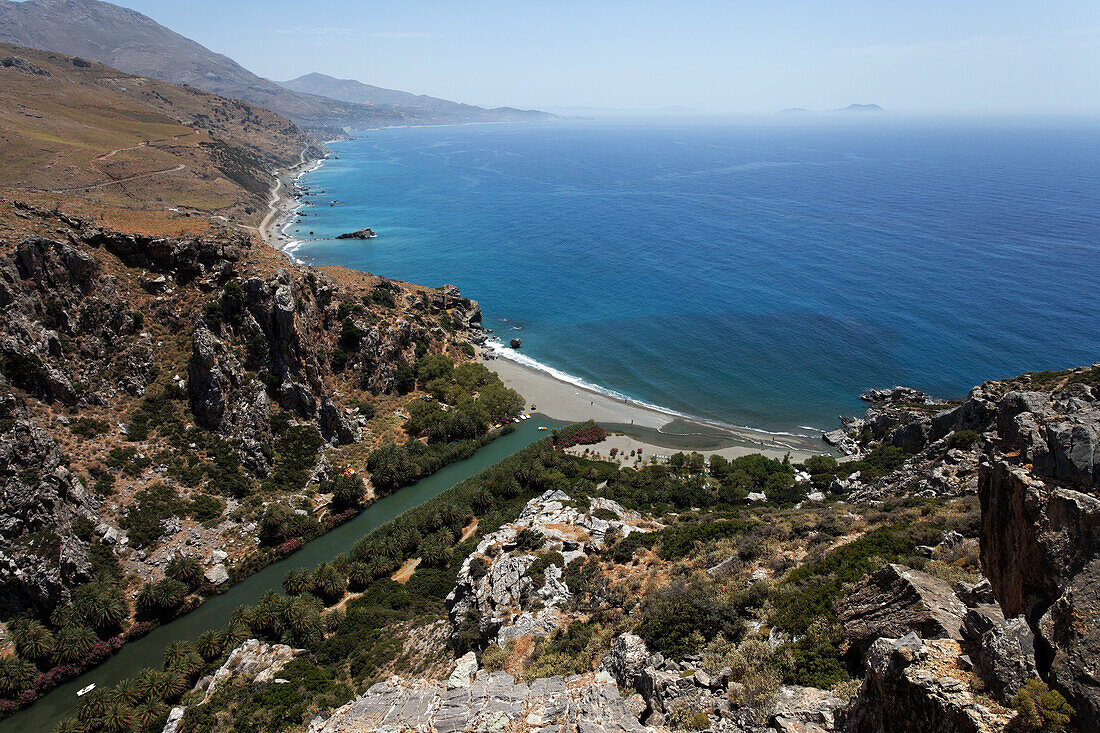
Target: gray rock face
x=1039 y=550
x=1004 y=651
x=502 y=599
x=896 y=601
x=492 y=702
x=626 y=660
x=254 y=660
x=914 y=686
x=40 y=558
x=806 y=709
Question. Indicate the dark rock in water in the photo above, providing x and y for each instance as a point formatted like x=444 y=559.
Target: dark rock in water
x=894 y=394
x=515 y=343
x=360 y=234
x=896 y=601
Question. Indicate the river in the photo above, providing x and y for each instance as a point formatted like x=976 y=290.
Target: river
x=51 y=708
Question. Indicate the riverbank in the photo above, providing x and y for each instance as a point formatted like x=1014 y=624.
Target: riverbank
x=216 y=611
x=654 y=431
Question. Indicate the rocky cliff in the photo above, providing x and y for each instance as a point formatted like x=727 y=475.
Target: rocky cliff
x=1036 y=439
x=116 y=347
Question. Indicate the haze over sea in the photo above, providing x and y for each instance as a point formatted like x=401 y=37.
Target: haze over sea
x=757 y=274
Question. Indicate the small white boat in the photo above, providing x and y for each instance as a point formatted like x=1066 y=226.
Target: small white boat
x=85 y=690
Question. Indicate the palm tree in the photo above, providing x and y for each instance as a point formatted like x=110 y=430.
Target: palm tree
x=146 y=601
x=329 y=583
x=175 y=685
x=177 y=651
x=454 y=517
x=297 y=581
x=160 y=685
x=129 y=691
x=187 y=570
x=169 y=594
x=234 y=635
x=149 y=714
x=359 y=575
x=70 y=725
x=117 y=718
x=15 y=674
x=209 y=645
x=100 y=604
x=302 y=619
x=32 y=640
x=92 y=706
x=147 y=680
x=72 y=643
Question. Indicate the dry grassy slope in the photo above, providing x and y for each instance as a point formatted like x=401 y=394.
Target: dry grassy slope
x=95 y=140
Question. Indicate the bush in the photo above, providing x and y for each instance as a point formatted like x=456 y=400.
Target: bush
x=963 y=439
x=206 y=509
x=87 y=427
x=144 y=522
x=1041 y=708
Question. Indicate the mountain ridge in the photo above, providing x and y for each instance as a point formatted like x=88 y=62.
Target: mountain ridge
x=356 y=92
x=136 y=44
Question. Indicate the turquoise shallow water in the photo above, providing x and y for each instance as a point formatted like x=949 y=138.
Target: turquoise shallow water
x=753 y=274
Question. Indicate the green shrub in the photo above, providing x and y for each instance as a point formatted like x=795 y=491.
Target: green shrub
x=1041 y=708
x=206 y=510
x=144 y=521
x=88 y=427
x=963 y=439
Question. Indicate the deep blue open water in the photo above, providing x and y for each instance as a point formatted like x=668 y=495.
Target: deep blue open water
x=757 y=274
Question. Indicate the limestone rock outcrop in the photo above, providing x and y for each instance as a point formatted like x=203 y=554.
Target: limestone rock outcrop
x=915 y=686
x=491 y=702
x=896 y=601
x=501 y=598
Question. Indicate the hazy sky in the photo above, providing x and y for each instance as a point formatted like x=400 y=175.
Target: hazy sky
x=970 y=56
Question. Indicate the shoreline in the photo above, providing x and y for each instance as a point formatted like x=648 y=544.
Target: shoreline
x=284 y=205
x=633 y=425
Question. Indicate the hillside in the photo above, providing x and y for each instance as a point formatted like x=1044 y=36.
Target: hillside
x=943 y=579
x=180 y=404
x=350 y=90
x=127 y=40
x=84 y=135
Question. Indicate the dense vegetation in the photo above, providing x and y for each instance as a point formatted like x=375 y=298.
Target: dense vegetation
x=813 y=550
x=350 y=646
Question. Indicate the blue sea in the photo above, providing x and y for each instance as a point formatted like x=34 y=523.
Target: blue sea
x=752 y=273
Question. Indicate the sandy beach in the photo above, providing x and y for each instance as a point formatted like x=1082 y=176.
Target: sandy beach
x=636 y=426
x=284 y=205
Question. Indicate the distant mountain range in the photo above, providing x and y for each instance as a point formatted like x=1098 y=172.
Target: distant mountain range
x=356 y=92
x=136 y=44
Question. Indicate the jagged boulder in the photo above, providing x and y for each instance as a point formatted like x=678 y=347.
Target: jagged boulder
x=626 y=660
x=213 y=373
x=40 y=500
x=491 y=702
x=805 y=709
x=1004 y=651
x=894 y=394
x=916 y=686
x=254 y=660
x=896 y=601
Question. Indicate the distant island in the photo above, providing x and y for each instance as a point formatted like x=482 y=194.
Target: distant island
x=860 y=108
x=795 y=111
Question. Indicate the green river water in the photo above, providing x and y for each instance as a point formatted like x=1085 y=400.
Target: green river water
x=44 y=714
